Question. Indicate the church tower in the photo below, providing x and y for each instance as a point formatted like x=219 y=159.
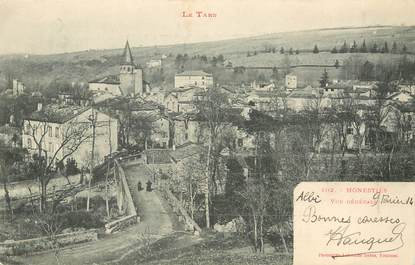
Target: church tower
x=131 y=76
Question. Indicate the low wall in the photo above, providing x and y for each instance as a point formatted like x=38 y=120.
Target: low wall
x=132 y=216
x=119 y=224
x=180 y=210
x=43 y=243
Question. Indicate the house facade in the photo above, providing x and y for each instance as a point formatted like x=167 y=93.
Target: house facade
x=193 y=78
x=59 y=130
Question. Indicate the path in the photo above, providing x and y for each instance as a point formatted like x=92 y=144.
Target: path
x=156 y=219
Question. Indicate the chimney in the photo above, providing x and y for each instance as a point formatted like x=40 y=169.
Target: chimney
x=39 y=106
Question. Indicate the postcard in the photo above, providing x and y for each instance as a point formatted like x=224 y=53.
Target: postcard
x=207 y=132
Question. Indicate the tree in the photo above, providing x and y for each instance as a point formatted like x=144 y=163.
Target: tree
x=316 y=50
x=212 y=110
x=385 y=48
x=344 y=48
x=367 y=71
x=394 y=48
x=275 y=74
x=291 y=52
x=282 y=50
x=336 y=64
x=286 y=65
x=354 y=47
x=71 y=167
x=297 y=51
x=374 y=48
x=363 y=49
x=73 y=134
x=10 y=157
x=404 y=49
x=334 y=50
x=324 y=80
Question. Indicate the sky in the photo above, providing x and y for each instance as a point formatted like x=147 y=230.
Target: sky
x=56 y=26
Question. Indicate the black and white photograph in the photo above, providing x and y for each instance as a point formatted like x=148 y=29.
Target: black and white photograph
x=207 y=132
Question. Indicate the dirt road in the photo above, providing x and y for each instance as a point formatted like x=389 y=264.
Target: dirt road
x=156 y=219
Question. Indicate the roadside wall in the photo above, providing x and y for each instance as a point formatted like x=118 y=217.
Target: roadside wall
x=43 y=243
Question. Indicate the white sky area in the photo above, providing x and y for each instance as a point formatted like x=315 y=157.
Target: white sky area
x=55 y=26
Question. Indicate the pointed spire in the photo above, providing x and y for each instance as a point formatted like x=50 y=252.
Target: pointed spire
x=127 y=57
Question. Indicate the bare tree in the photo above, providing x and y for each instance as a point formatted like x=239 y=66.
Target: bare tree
x=72 y=134
x=212 y=110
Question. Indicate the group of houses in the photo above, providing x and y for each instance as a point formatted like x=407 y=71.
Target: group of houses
x=171 y=114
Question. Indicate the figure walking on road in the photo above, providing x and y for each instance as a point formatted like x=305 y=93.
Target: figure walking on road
x=149 y=188
x=139 y=186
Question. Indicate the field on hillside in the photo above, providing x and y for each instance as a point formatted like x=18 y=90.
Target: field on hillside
x=38 y=71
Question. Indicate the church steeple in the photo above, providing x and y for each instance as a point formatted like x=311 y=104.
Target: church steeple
x=127 y=57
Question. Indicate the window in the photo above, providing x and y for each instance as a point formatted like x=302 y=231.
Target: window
x=240 y=142
x=195 y=83
x=29 y=143
x=49 y=131
x=28 y=129
x=349 y=130
x=106 y=89
x=186 y=136
x=56 y=131
x=50 y=147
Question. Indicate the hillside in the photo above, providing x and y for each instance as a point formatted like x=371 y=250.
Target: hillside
x=39 y=70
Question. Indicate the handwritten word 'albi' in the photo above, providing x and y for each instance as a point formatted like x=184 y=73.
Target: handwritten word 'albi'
x=201 y=14
x=308 y=197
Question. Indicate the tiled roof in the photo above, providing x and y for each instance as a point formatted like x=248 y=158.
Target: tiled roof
x=151 y=117
x=193 y=73
x=304 y=93
x=158 y=156
x=131 y=104
x=186 y=150
x=111 y=79
x=57 y=113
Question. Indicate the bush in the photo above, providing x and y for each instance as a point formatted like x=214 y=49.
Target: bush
x=84 y=219
x=72 y=167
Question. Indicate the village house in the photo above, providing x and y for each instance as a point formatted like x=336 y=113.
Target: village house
x=108 y=84
x=183 y=99
x=186 y=128
x=160 y=129
x=399 y=120
x=193 y=78
x=18 y=87
x=55 y=129
x=407 y=87
x=291 y=81
x=154 y=64
x=262 y=86
x=400 y=97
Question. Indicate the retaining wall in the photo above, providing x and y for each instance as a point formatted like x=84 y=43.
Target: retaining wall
x=43 y=243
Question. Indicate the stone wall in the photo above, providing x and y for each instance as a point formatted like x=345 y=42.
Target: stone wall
x=120 y=224
x=43 y=243
x=180 y=211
